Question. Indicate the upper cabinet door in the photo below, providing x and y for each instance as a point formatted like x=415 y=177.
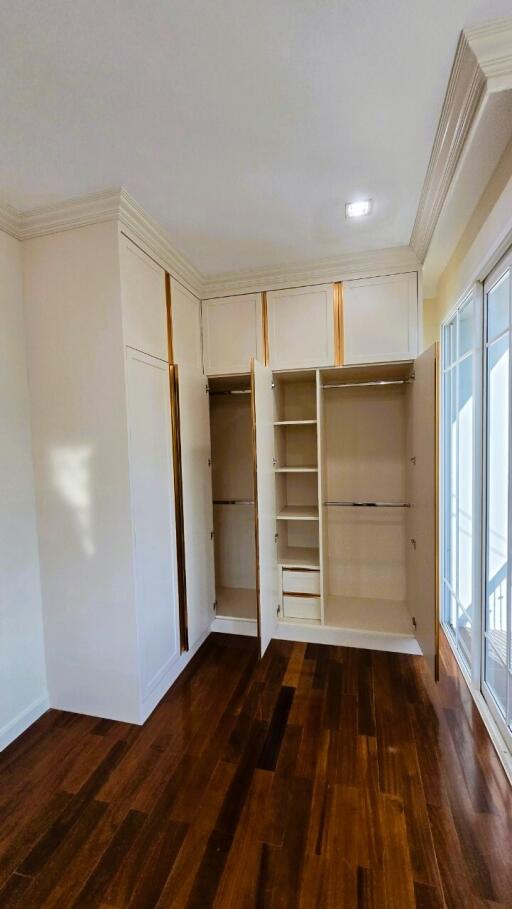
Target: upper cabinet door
x=262 y=397
x=186 y=328
x=143 y=301
x=232 y=333
x=380 y=319
x=301 y=324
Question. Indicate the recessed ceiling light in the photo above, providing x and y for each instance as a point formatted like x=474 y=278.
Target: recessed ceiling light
x=358 y=209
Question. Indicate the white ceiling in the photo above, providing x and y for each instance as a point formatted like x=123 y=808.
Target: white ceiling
x=242 y=127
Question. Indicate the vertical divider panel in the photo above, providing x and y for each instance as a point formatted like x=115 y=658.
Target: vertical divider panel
x=322 y=525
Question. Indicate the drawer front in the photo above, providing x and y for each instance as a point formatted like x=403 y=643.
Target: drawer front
x=297 y=581
x=301 y=607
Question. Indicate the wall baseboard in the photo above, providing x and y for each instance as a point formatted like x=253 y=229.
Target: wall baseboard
x=22 y=721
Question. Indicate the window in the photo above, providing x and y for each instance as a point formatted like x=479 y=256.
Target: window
x=457 y=477
x=496 y=657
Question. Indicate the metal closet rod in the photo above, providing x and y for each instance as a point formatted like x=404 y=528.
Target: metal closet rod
x=233 y=391
x=370 y=504
x=366 y=384
x=233 y=501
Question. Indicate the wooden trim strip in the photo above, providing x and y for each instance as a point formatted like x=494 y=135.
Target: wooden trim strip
x=338 y=323
x=178 y=505
x=168 y=304
x=264 y=315
x=341 y=323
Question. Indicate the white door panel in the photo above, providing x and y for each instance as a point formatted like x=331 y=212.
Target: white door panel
x=265 y=497
x=232 y=333
x=422 y=593
x=380 y=319
x=197 y=500
x=301 y=327
x=143 y=301
x=152 y=491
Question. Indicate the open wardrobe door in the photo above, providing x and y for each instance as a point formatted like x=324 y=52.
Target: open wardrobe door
x=422 y=573
x=262 y=398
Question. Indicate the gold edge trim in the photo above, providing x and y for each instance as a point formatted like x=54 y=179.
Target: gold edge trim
x=168 y=306
x=341 y=326
x=264 y=316
x=255 y=484
x=338 y=331
x=178 y=506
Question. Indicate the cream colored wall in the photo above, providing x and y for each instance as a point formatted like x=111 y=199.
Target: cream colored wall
x=483 y=231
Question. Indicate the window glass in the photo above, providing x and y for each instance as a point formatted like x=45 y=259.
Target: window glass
x=498 y=308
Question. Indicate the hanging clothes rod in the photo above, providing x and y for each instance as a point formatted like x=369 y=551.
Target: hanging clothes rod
x=233 y=391
x=367 y=384
x=370 y=504
x=233 y=501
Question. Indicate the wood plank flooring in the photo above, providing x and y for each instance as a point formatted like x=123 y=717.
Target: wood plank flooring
x=320 y=777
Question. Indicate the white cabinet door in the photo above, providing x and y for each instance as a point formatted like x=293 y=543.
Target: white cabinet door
x=186 y=327
x=265 y=498
x=153 y=516
x=301 y=324
x=232 y=333
x=197 y=501
x=380 y=319
x=422 y=457
x=143 y=301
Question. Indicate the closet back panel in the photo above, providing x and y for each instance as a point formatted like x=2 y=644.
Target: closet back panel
x=295 y=398
x=235 y=557
x=364 y=444
x=232 y=457
x=296 y=446
x=366 y=552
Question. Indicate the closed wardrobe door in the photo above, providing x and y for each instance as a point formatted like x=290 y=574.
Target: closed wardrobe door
x=153 y=516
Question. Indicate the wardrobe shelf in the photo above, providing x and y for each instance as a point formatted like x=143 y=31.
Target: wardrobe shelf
x=299 y=557
x=295 y=423
x=310 y=469
x=298 y=513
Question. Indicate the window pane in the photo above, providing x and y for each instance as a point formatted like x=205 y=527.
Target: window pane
x=496 y=675
x=497 y=503
x=450 y=343
x=466 y=328
x=465 y=500
x=450 y=608
x=498 y=307
x=450 y=497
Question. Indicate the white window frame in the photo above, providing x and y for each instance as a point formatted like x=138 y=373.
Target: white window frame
x=473 y=669
x=504 y=264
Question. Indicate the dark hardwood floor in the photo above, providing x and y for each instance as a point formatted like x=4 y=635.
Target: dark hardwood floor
x=320 y=777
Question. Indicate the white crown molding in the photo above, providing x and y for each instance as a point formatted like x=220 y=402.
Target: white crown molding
x=322 y=271
x=140 y=226
x=10 y=221
x=118 y=205
x=482 y=64
x=95 y=208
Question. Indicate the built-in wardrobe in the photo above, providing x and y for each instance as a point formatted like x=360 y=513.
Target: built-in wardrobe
x=324 y=497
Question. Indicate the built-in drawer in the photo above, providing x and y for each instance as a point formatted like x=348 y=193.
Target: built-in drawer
x=300 y=581
x=298 y=607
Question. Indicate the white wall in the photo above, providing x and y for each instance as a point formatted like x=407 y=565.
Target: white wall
x=79 y=424
x=23 y=695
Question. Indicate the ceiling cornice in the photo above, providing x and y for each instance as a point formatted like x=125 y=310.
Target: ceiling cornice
x=350 y=265
x=95 y=208
x=118 y=205
x=483 y=64
x=10 y=221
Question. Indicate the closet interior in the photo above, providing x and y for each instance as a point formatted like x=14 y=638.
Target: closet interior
x=233 y=497
x=354 y=453
x=366 y=497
